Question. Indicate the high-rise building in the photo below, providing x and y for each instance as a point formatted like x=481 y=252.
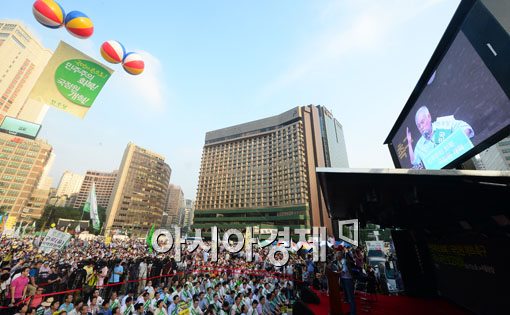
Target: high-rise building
x=496 y=157
x=70 y=183
x=335 y=152
x=36 y=203
x=105 y=181
x=23 y=182
x=23 y=60
x=39 y=197
x=46 y=182
x=263 y=172
x=188 y=217
x=22 y=163
x=140 y=192
x=185 y=218
x=174 y=202
x=68 y=189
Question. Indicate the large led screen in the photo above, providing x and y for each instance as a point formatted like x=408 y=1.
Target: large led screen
x=19 y=127
x=461 y=103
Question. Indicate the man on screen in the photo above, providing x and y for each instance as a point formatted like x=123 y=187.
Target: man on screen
x=432 y=134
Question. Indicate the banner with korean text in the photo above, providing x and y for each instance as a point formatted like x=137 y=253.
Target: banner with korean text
x=54 y=240
x=71 y=81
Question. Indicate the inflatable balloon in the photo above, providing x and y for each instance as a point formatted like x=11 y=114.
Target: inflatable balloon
x=48 y=13
x=133 y=63
x=79 y=25
x=113 y=51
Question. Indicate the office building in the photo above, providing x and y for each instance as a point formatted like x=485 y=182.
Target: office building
x=23 y=60
x=70 y=183
x=36 y=203
x=140 y=192
x=186 y=212
x=174 y=202
x=497 y=157
x=262 y=173
x=22 y=163
x=40 y=196
x=105 y=181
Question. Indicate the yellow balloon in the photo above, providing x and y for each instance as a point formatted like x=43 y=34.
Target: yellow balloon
x=53 y=225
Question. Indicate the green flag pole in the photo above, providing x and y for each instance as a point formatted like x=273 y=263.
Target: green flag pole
x=149 y=239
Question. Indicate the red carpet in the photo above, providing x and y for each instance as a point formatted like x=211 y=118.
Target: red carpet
x=389 y=305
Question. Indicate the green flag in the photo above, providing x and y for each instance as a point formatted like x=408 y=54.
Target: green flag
x=149 y=238
x=86 y=206
x=91 y=207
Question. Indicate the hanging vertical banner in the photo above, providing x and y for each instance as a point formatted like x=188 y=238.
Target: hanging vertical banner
x=91 y=206
x=71 y=81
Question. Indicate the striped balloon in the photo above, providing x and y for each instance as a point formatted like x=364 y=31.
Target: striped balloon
x=113 y=51
x=133 y=63
x=48 y=13
x=79 y=25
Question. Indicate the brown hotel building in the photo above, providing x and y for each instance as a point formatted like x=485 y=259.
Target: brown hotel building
x=262 y=173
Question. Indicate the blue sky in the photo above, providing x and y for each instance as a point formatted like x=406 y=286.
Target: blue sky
x=212 y=64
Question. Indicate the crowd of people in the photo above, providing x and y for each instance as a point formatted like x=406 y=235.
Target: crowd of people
x=91 y=277
x=121 y=277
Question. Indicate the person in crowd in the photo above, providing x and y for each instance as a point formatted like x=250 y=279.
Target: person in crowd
x=97 y=296
x=34 y=278
x=194 y=308
x=103 y=273
x=93 y=306
x=125 y=298
x=225 y=308
x=346 y=278
x=252 y=310
x=149 y=289
x=114 y=301
x=174 y=308
x=142 y=274
x=236 y=307
x=53 y=308
x=44 y=306
x=262 y=308
x=85 y=310
x=37 y=298
x=105 y=309
x=128 y=307
x=18 y=287
x=77 y=308
x=53 y=280
x=160 y=308
x=138 y=309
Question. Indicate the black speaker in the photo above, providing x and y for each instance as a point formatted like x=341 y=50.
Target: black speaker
x=300 y=308
x=308 y=296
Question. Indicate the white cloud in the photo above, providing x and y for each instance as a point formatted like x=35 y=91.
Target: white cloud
x=148 y=87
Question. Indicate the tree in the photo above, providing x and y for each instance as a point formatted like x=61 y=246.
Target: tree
x=52 y=213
